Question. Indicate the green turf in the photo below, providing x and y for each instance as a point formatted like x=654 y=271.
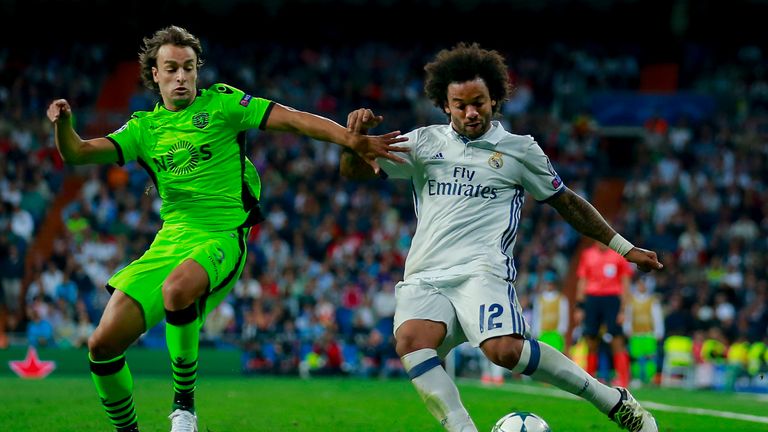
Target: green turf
x=273 y=404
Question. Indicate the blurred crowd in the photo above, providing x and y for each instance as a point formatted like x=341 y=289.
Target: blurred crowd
x=317 y=293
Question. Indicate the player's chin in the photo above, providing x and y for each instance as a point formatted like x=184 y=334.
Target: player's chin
x=181 y=100
x=474 y=131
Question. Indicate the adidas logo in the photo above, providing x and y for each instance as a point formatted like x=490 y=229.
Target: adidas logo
x=437 y=156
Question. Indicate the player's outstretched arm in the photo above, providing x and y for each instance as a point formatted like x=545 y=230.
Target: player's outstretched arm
x=584 y=218
x=351 y=165
x=368 y=147
x=73 y=149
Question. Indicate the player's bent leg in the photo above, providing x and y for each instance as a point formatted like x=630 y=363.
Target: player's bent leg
x=185 y=284
x=182 y=338
x=544 y=363
x=417 y=341
x=121 y=324
x=504 y=351
x=417 y=334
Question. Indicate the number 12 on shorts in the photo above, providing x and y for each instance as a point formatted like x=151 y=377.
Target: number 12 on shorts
x=494 y=311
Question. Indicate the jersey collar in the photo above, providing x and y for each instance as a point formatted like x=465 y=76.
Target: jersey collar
x=493 y=136
x=160 y=106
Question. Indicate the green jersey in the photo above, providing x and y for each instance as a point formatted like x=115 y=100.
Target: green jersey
x=196 y=157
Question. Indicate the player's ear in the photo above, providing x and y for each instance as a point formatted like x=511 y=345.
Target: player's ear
x=493 y=103
x=154 y=74
x=447 y=109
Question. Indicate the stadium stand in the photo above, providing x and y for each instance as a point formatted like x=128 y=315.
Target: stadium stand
x=675 y=154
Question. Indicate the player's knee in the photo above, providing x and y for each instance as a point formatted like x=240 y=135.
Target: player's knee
x=171 y=295
x=504 y=351
x=409 y=342
x=181 y=289
x=418 y=334
x=405 y=344
x=175 y=296
x=103 y=348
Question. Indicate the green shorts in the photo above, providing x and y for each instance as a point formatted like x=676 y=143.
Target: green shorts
x=221 y=253
x=553 y=339
x=642 y=345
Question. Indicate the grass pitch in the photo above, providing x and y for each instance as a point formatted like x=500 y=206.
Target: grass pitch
x=238 y=404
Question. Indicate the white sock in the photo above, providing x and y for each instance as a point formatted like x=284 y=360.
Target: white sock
x=544 y=363
x=437 y=390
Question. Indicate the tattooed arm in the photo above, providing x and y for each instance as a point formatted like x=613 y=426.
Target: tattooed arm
x=582 y=216
x=585 y=219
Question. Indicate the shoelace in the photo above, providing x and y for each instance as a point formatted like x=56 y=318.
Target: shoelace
x=182 y=421
x=628 y=416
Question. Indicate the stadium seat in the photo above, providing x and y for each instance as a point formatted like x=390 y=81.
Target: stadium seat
x=678 y=368
x=154 y=337
x=344 y=319
x=351 y=357
x=385 y=325
x=268 y=349
x=305 y=349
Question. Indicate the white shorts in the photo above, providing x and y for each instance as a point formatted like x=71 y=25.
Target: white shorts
x=473 y=307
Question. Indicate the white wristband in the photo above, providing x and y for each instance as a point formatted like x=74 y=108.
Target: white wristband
x=620 y=245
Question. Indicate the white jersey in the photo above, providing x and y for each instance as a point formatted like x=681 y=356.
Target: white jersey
x=468 y=197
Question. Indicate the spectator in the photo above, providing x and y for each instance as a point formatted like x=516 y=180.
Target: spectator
x=677 y=318
x=220 y=321
x=63 y=323
x=12 y=271
x=66 y=290
x=373 y=354
x=328 y=349
x=39 y=330
x=84 y=327
x=22 y=223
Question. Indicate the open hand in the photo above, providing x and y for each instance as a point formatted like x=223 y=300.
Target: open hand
x=370 y=147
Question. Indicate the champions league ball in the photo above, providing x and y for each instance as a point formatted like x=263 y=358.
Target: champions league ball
x=521 y=422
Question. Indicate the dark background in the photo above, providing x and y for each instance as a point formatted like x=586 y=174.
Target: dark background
x=656 y=28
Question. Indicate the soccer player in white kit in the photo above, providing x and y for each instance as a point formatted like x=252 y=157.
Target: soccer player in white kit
x=469 y=178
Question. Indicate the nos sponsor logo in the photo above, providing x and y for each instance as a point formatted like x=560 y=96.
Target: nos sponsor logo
x=183 y=158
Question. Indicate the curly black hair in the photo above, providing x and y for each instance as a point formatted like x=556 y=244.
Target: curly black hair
x=466 y=62
x=172 y=35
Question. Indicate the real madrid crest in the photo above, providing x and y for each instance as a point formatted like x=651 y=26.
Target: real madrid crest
x=495 y=161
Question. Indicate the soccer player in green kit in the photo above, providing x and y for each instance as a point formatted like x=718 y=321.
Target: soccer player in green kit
x=193 y=147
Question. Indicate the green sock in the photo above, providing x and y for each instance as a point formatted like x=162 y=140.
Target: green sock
x=114 y=385
x=182 y=335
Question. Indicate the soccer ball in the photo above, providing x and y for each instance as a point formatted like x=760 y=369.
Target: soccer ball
x=521 y=422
